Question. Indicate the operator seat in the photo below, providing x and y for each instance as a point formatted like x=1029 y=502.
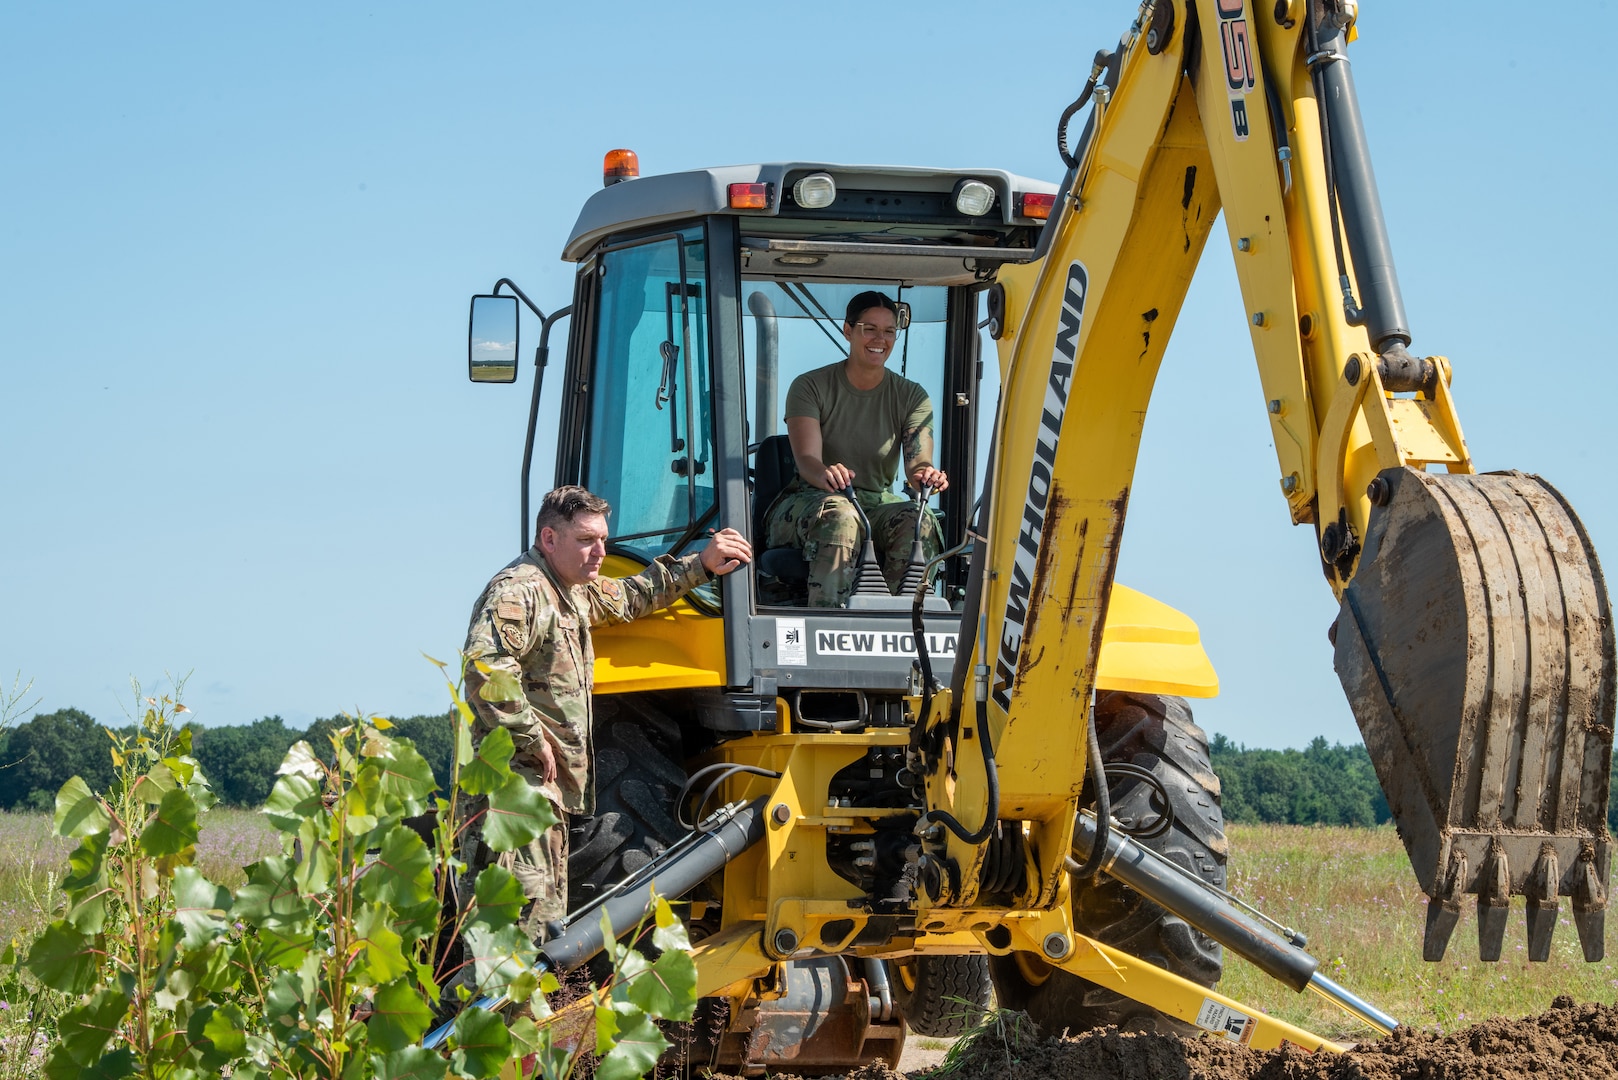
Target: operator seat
x=773 y=468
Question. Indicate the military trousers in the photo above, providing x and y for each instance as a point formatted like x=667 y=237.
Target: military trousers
x=540 y=868
x=826 y=527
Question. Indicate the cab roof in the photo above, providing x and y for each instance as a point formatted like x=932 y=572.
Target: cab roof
x=875 y=204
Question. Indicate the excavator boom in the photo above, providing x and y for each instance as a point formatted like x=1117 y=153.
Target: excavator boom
x=1474 y=641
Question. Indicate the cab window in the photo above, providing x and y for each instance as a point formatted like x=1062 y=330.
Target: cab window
x=650 y=440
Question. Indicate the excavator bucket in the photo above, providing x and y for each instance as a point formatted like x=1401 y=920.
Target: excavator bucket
x=1476 y=647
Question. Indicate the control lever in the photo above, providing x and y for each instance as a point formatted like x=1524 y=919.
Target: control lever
x=917 y=570
x=869 y=581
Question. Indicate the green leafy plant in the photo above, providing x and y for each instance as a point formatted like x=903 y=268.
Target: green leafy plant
x=328 y=962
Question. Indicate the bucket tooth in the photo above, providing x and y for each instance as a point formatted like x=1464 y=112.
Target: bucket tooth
x=1444 y=909
x=1476 y=645
x=1590 y=907
x=1543 y=905
x=1494 y=905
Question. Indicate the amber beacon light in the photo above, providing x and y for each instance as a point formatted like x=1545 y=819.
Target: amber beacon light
x=618 y=166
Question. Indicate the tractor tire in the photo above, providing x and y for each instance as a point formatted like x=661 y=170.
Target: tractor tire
x=638 y=777
x=941 y=996
x=1155 y=733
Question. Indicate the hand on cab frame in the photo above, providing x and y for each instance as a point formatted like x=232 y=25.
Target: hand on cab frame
x=727 y=549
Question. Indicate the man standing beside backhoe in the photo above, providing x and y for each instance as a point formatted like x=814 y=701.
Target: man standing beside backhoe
x=533 y=622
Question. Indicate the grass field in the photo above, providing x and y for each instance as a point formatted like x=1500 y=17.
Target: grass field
x=32 y=862
x=1350 y=890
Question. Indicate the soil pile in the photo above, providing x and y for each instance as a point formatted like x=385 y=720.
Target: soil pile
x=1571 y=1040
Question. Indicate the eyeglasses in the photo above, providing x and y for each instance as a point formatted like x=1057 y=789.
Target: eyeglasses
x=873 y=330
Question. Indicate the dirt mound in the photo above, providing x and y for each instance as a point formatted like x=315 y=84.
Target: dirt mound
x=1571 y=1040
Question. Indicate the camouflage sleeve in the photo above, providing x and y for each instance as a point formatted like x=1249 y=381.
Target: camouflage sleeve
x=619 y=600
x=504 y=628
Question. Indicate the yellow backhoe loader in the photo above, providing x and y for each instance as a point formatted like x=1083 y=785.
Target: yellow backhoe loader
x=879 y=811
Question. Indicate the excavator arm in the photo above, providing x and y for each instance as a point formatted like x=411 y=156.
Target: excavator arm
x=1474 y=640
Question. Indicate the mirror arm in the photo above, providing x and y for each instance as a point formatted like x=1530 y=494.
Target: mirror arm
x=542 y=356
x=546 y=320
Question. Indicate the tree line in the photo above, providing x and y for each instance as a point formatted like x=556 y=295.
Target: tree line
x=1322 y=784
x=39 y=756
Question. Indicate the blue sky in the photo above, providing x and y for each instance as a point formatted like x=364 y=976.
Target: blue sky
x=238 y=241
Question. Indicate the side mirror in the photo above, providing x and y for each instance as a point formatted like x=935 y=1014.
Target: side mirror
x=491 y=340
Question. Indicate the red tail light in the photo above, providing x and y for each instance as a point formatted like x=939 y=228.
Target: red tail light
x=749 y=196
x=1036 y=204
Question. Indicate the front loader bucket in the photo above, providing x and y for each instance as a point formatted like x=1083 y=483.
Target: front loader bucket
x=1476 y=647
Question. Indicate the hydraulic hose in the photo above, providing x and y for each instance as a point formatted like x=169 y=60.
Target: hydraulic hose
x=1102 y=823
x=991 y=784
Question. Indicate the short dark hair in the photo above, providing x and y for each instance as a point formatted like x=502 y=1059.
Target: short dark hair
x=566 y=503
x=867 y=300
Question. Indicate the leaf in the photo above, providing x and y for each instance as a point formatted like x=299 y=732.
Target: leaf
x=176 y=988
x=182 y=765
x=284 y=1003
x=518 y=814
x=152 y=786
x=482 y=1043
x=61 y=1066
x=218 y=1035
x=502 y=685
x=520 y=989
x=78 y=812
x=114 y=1066
x=173 y=827
x=490 y=766
x=301 y=761
x=86 y=1029
x=606 y=1029
x=670 y=932
x=400 y=1016
x=407 y=777
x=284 y=948
x=86 y=883
x=666 y=989
x=384 y=960
x=293 y=800
x=85 y=867
x=313 y=872
x=414 y=923
x=200 y=907
x=270 y=898
x=381 y=723
x=411 y=1063
x=499 y=898
x=525 y=1037
x=499 y=956
x=637 y=1046
x=64 y=958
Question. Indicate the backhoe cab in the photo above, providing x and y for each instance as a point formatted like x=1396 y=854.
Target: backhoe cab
x=999 y=777
x=699 y=297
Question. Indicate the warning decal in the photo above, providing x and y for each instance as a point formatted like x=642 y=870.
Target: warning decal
x=1223 y=1020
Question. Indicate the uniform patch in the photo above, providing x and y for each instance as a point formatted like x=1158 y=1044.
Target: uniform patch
x=512 y=634
x=509 y=609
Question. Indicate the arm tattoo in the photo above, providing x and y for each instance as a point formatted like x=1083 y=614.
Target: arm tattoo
x=918 y=447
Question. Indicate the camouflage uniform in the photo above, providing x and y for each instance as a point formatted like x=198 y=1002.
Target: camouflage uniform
x=530 y=624
x=828 y=530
